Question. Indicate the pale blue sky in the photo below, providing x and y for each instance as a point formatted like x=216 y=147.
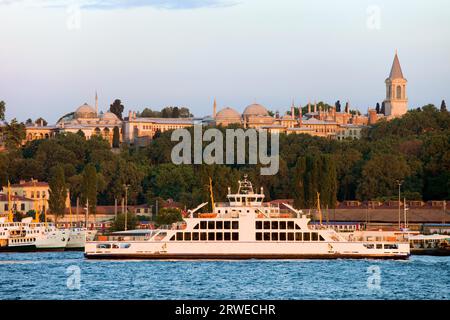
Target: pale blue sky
x=173 y=52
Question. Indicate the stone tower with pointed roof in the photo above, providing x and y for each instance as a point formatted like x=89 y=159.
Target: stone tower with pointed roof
x=396 y=102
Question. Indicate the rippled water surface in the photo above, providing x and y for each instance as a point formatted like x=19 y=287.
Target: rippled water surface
x=55 y=276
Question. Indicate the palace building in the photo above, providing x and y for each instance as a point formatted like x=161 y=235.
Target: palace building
x=330 y=123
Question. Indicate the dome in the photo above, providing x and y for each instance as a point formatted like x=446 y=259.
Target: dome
x=109 y=116
x=228 y=113
x=85 y=111
x=255 y=110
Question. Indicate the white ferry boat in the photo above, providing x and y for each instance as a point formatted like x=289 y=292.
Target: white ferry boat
x=243 y=228
x=29 y=236
x=78 y=237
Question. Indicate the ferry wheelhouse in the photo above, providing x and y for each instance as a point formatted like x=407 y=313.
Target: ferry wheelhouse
x=243 y=228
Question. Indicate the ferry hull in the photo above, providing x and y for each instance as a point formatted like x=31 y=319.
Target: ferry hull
x=163 y=256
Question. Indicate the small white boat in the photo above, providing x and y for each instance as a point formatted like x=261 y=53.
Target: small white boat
x=29 y=236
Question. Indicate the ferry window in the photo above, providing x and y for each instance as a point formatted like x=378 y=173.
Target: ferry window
x=211 y=236
x=290 y=225
x=195 y=236
x=266 y=236
x=391 y=246
x=187 y=236
x=290 y=236
x=196 y=226
x=266 y=224
x=202 y=224
x=258 y=225
x=226 y=236
x=219 y=236
x=379 y=246
x=226 y=224
x=298 y=236
x=306 y=236
x=235 y=225
x=274 y=236
x=321 y=238
x=369 y=245
x=275 y=225
x=282 y=236
x=282 y=224
x=235 y=236
x=297 y=227
x=314 y=236
x=124 y=245
x=179 y=236
x=219 y=224
x=210 y=224
x=258 y=236
x=104 y=246
x=203 y=236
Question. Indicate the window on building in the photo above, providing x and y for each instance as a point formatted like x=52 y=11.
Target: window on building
x=283 y=225
x=274 y=225
x=258 y=225
x=187 y=236
x=195 y=236
x=219 y=236
x=266 y=236
x=267 y=225
x=211 y=236
x=274 y=236
x=282 y=236
x=203 y=225
x=258 y=236
x=227 y=236
x=290 y=225
x=290 y=236
x=226 y=224
x=298 y=236
x=306 y=236
x=203 y=236
x=179 y=236
x=235 y=236
x=219 y=225
x=210 y=225
x=235 y=225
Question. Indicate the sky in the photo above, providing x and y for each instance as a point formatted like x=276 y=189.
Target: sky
x=55 y=54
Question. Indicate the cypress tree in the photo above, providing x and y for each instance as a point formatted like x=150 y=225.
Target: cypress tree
x=328 y=182
x=57 y=192
x=383 y=108
x=116 y=138
x=443 y=106
x=89 y=187
x=312 y=179
x=377 y=108
x=299 y=183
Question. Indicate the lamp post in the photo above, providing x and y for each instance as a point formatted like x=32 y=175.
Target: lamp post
x=399 y=183
x=126 y=186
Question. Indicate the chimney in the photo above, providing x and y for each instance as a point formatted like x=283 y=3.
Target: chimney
x=372 y=116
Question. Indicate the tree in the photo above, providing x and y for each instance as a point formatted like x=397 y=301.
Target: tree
x=29 y=122
x=383 y=108
x=119 y=223
x=14 y=134
x=2 y=110
x=81 y=133
x=377 y=108
x=116 y=138
x=443 y=106
x=175 y=112
x=89 y=187
x=338 y=106
x=299 y=183
x=167 y=216
x=57 y=192
x=41 y=121
x=117 y=108
x=328 y=182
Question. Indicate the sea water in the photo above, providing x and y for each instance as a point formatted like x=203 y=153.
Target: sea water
x=68 y=275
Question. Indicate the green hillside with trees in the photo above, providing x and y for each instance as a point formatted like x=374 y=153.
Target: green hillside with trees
x=415 y=148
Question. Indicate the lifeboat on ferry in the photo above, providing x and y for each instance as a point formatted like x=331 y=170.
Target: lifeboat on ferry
x=207 y=215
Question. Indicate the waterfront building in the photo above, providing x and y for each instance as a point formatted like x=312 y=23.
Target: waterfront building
x=18 y=204
x=141 y=129
x=35 y=191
